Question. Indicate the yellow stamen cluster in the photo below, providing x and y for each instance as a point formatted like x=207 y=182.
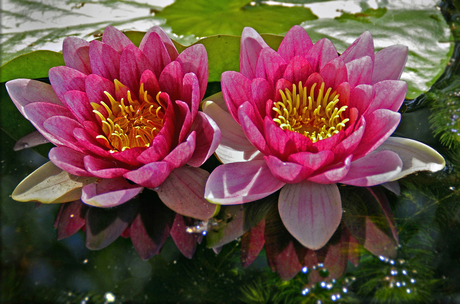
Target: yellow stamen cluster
x=316 y=117
x=129 y=123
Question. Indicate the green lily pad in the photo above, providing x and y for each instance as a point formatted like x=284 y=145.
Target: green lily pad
x=204 y=18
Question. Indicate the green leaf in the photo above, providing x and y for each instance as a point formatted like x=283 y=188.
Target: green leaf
x=32 y=65
x=205 y=18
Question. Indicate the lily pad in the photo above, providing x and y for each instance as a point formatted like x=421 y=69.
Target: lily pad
x=204 y=18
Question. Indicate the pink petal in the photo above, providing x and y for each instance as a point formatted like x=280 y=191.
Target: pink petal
x=252 y=128
x=129 y=156
x=261 y=91
x=183 y=193
x=76 y=54
x=25 y=91
x=116 y=39
x=95 y=86
x=389 y=63
x=77 y=102
x=71 y=219
x=251 y=45
x=389 y=94
x=236 y=90
x=171 y=80
x=195 y=59
x=62 y=127
x=349 y=144
x=313 y=161
x=334 y=73
x=132 y=64
x=310 y=212
x=103 y=168
x=380 y=124
x=361 y=97
x=270 y=65
x=321 y=53
x=360 y=71
x=155 y=50
x=109 y=192
x=89 y=143
x=151 y=175
x=65 y=79
x=287 y=172
x=361 y=47
x=373 y=169
x=278 y=142
x=39 y=112
x=191 y=93
x=183 y=120
x=105 y=61
x=164 y=38
x=333 y=175
x=237 y=183
x=182 y=153
x=68 y=160
x=297 y=70
x=208 y=136
x=295 y=43
x=31 y=140
x=185 y=242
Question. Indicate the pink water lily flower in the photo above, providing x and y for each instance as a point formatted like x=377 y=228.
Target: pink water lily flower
x=123 y=118
x=303 y=119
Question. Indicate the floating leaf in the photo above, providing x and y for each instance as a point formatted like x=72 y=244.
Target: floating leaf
x=49 y=184
x=204 y=18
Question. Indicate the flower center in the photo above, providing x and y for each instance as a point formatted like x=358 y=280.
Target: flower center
x=129 y=123
x=315 y=117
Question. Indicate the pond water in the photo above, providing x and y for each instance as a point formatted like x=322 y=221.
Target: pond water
x=422 y=266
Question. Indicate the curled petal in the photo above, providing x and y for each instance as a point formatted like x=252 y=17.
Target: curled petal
x=311 y=212
x=195 y=59
x=76 y=54
x=103 y=168
x=69 y=160
x=333 y=175
x=287 y=172
x=109 y=192
x=415 y=156
x=237 y=183
x=251 y=45
x=151 y=175
x=236 y=90
x=208 y=138
x=363 y=46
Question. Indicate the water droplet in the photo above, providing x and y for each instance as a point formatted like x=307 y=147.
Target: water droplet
x=403 y=283
x=329 y=286
x=412 y=281
x=452 y=188
x=392 y=262
x=109 y=297
x=408 y=290
x=305 y=269
x=345 y=290
x=393 y=272
x=323 y=284
x=320 y=265
x=382 y=258
x=398 y=284
x=305 y=291
x=333 y=298
x=85 y=261
x=404 y=272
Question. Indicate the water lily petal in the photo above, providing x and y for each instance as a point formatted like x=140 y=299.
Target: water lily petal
x=171 y=80
x=334 y=73
x=116 y=39
x=251 y=45
x=69 y=160
x=415 y=156
x=360 y=71
x=182 y=153
x=373 y=169
x=361 y=97
x=164 y=38
x=71 y=218
x=252 y=243
x=252 y=127
x=313 y=161
x=109 y=192
x=132 y=64
x=380 y=124
x=49 y=184
x=76 y=54
x=361 y=47
x=25 y=91
x=236 y=91
x=334 y=174
x=105 y=61
x=77 y=102
x=311 y=212
x=237 y=183
x=150 y=175
x=32 y=139
x=104 y=168
x=389 y=63
x=295 y=43
x=297 y=70
x=65 y=79
x=389 y=94
x=191 y=93
x=270 y=65
x=288 y=172
x=155 y=50
x=183 y=192
x=65 y=135
x=129 y=156
x=89 y=143
x=195 y=59
x=321 y=53
x=95 y=86
x=208 y=136
x=185 y=242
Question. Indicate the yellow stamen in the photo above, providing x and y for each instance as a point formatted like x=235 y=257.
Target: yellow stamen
x=316 y=118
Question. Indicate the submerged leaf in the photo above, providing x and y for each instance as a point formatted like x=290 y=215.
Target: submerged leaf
x=49 y=184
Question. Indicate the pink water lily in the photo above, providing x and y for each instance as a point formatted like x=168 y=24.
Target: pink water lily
x=303 y=119
x=122 y=118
